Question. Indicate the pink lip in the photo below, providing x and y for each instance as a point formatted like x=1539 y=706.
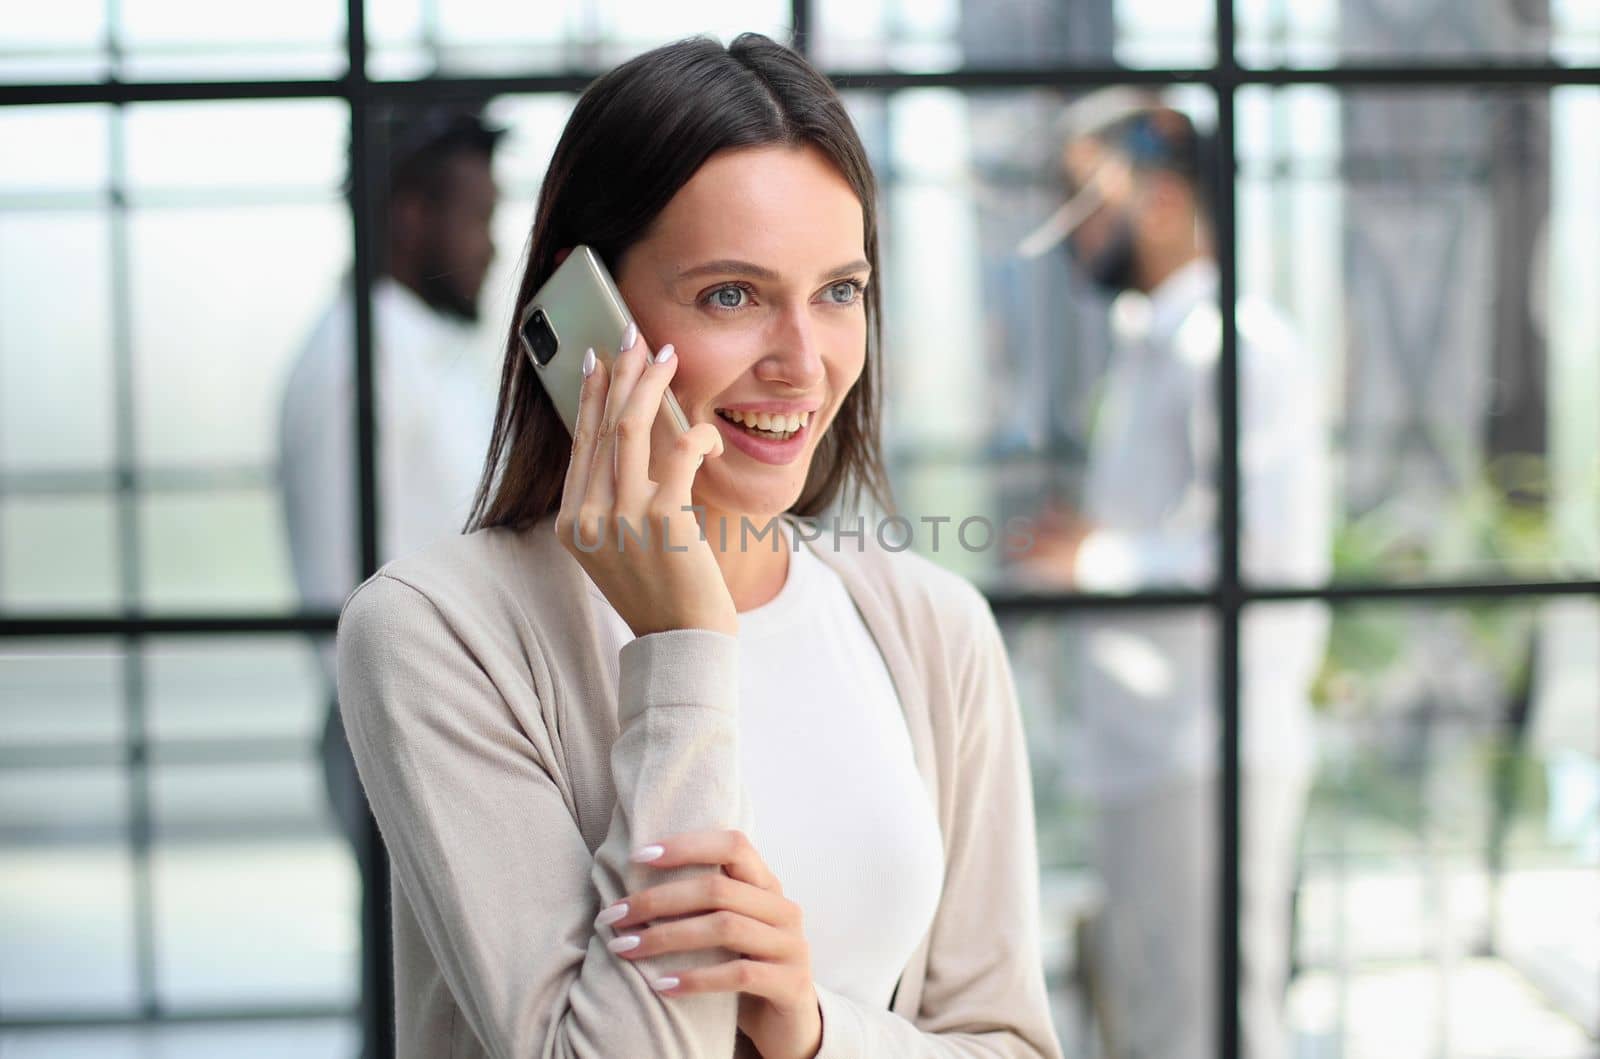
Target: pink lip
x=764 y=450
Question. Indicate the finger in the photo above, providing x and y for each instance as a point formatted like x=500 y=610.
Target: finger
x=591 y=402
x=688 y=453
x=625 y=371
x=728 y=930
x=703 y=893
x=730 y=848
x=634 y=429
x=736 y=976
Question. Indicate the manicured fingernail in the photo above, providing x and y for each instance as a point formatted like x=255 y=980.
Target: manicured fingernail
x=630 y=335
x=588 y=362
x=665 y=983
x=647 y=854
x=664 y=353
x=611 y=915
x=624 y=943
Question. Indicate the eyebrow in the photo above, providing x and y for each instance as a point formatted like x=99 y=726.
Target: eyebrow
x=746 y=268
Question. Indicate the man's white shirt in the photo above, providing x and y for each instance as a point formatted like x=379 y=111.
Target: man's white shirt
x=1150 y=678
x=433 y=419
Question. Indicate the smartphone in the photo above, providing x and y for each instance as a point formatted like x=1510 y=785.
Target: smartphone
x=578 y=307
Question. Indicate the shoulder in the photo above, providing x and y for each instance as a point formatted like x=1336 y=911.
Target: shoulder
x=438 y=567
x=948 y=596
x=483 y=585
x=481 y=618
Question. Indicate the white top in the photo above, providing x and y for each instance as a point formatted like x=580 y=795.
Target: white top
x=1150 y=677
x=841 y=816
x=433 y=422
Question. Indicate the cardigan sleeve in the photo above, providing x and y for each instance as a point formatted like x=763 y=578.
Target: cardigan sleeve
x=485 y=844
x=984 y=994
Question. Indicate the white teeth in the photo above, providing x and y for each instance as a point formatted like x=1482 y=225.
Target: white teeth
x=768 y=421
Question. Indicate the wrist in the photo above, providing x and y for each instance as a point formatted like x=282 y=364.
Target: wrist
x=792 y=1036
x=809 y=1039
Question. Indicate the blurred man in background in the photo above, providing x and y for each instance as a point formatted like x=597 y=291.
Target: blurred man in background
x=1137 y=223
x=435 y=406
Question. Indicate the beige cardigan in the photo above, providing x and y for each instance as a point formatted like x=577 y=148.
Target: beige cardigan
x=512 y=768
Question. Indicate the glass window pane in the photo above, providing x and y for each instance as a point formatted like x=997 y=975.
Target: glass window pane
x=241 y=1039
x=284 y=146
x=58 y=554
x=257 y=895
x=212 y=346
x=57 y=411
x=1331 y=32
x=63 y=803
x=1436 y=250
x=196 y=797
x=413 y=39
x=210 y=343
x=66 y=911
x=1122 y=737
x=70 y=22
x=953 y=34
x=534 y=124
x=54 y=42
x=66 y=884
x=174 y=40
x=55 y=148
x=234 y=688
x=60 y=694
x=192 y=39
x=217 y=549
x=1449 y=893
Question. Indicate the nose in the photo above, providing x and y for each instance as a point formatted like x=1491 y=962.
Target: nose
x=794 y=355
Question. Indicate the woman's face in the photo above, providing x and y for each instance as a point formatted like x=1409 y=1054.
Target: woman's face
x=755 y=272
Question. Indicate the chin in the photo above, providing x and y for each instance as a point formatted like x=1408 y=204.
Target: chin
x=757 y=505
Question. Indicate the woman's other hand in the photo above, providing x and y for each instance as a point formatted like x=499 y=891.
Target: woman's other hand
x=741 y=908
x=636 y=537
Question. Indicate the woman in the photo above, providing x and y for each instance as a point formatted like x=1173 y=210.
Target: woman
x=698 y=797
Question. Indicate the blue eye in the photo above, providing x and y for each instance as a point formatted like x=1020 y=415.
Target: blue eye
x=854 y=289
x=728 y=297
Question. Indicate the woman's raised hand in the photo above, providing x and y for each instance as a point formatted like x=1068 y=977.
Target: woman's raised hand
x=636 y=537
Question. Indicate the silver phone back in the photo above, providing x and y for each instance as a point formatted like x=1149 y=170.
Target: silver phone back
x=585 y=310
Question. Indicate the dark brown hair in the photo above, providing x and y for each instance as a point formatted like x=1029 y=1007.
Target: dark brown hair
x=636 y=136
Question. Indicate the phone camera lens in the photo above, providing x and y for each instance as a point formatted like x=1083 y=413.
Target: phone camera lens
x=539 y=338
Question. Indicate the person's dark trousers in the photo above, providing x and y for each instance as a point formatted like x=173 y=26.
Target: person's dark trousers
x=349 y=804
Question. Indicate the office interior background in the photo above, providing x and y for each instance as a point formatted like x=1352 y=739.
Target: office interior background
x=1414 y=184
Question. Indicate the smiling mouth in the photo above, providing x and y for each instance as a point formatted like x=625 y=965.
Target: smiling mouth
x=763 y=425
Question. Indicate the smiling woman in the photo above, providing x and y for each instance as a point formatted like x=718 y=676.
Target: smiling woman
x=671 y=158
x=699 y=799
